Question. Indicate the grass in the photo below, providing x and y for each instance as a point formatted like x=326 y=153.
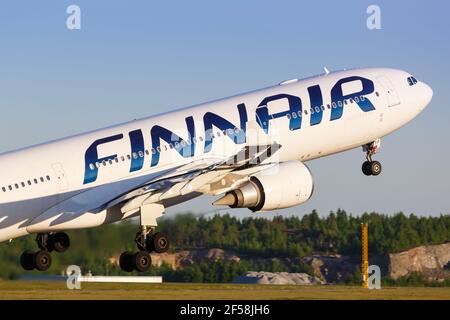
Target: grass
x=12 y=290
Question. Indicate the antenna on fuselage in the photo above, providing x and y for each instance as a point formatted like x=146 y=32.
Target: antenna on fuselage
x=326 y=70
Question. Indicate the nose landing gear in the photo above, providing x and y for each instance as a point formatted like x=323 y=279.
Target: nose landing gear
x=371 y=167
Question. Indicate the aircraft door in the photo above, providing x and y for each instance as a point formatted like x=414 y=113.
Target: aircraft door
x=60 y=175
x=389 y=90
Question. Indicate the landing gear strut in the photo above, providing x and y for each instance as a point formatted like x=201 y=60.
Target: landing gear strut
x=146 y=240
x=47 y=242
x=371 y=167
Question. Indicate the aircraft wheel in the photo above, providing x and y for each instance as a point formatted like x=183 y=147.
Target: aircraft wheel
x=126 y=261
x=42 y=260
x=375 y=168
x=27 y=260
x=60 y=241
x=366 y=168
x=159 y=243
x=142 y=261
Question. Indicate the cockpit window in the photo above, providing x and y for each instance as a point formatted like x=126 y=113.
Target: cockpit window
x=412 y=81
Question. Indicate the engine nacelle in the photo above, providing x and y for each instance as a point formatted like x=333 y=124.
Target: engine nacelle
x=281 y=186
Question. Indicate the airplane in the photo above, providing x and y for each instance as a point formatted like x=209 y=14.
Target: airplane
x=250 y=149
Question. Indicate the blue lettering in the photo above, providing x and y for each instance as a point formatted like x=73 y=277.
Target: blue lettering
x=137 y=150
x=237 y=136
x=338 y=97
x=295 y=111
x=184 y=148
x=91 y=158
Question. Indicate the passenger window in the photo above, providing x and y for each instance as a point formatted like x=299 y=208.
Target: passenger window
x=339 y=104
x=42 y=179
x=328 y=106
x=288 y=116
x=16 y=185
x=9 y=187
x=141 y=154
x=377 y=94
x=29 y=182
x=4 y=189
x=146 y=152
x=23 y=184
x=91 y=166
x=48 y=178
x=35 y=181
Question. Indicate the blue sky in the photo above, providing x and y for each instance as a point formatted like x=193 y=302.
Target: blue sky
x=137 y=58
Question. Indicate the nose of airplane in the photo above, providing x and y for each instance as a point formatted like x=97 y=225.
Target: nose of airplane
x=426 y=95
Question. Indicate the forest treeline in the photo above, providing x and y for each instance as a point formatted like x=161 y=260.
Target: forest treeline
x=294 y=236
x=338 y=232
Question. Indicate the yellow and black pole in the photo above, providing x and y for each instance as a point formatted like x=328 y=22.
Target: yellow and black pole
x=365 y=254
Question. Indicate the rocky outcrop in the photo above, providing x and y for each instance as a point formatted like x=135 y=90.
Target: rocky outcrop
x=282 y=278
x=186 y=258
x=431 y=261
x=331 y=268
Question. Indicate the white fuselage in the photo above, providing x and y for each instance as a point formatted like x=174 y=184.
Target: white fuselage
x=37 y=178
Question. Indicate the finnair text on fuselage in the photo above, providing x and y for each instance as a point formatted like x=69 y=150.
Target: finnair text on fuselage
x=237 y=133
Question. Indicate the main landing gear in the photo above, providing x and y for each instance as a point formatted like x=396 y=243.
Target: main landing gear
x=371 y=167
x=47 y=242
x=147 y=241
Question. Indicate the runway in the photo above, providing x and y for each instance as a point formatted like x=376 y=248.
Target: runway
x=183 y=291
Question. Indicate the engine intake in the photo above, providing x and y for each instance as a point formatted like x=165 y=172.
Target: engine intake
x=281 y=186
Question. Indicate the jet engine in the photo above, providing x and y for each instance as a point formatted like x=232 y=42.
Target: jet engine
x=284 y=185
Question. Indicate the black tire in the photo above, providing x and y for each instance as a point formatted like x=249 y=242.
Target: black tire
x=375 y=168
x=160 y=243
x=126 y=261
x=366 y=168
x=142 y=261
x=27 y=260
x=60 y=241
x=42 y=260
